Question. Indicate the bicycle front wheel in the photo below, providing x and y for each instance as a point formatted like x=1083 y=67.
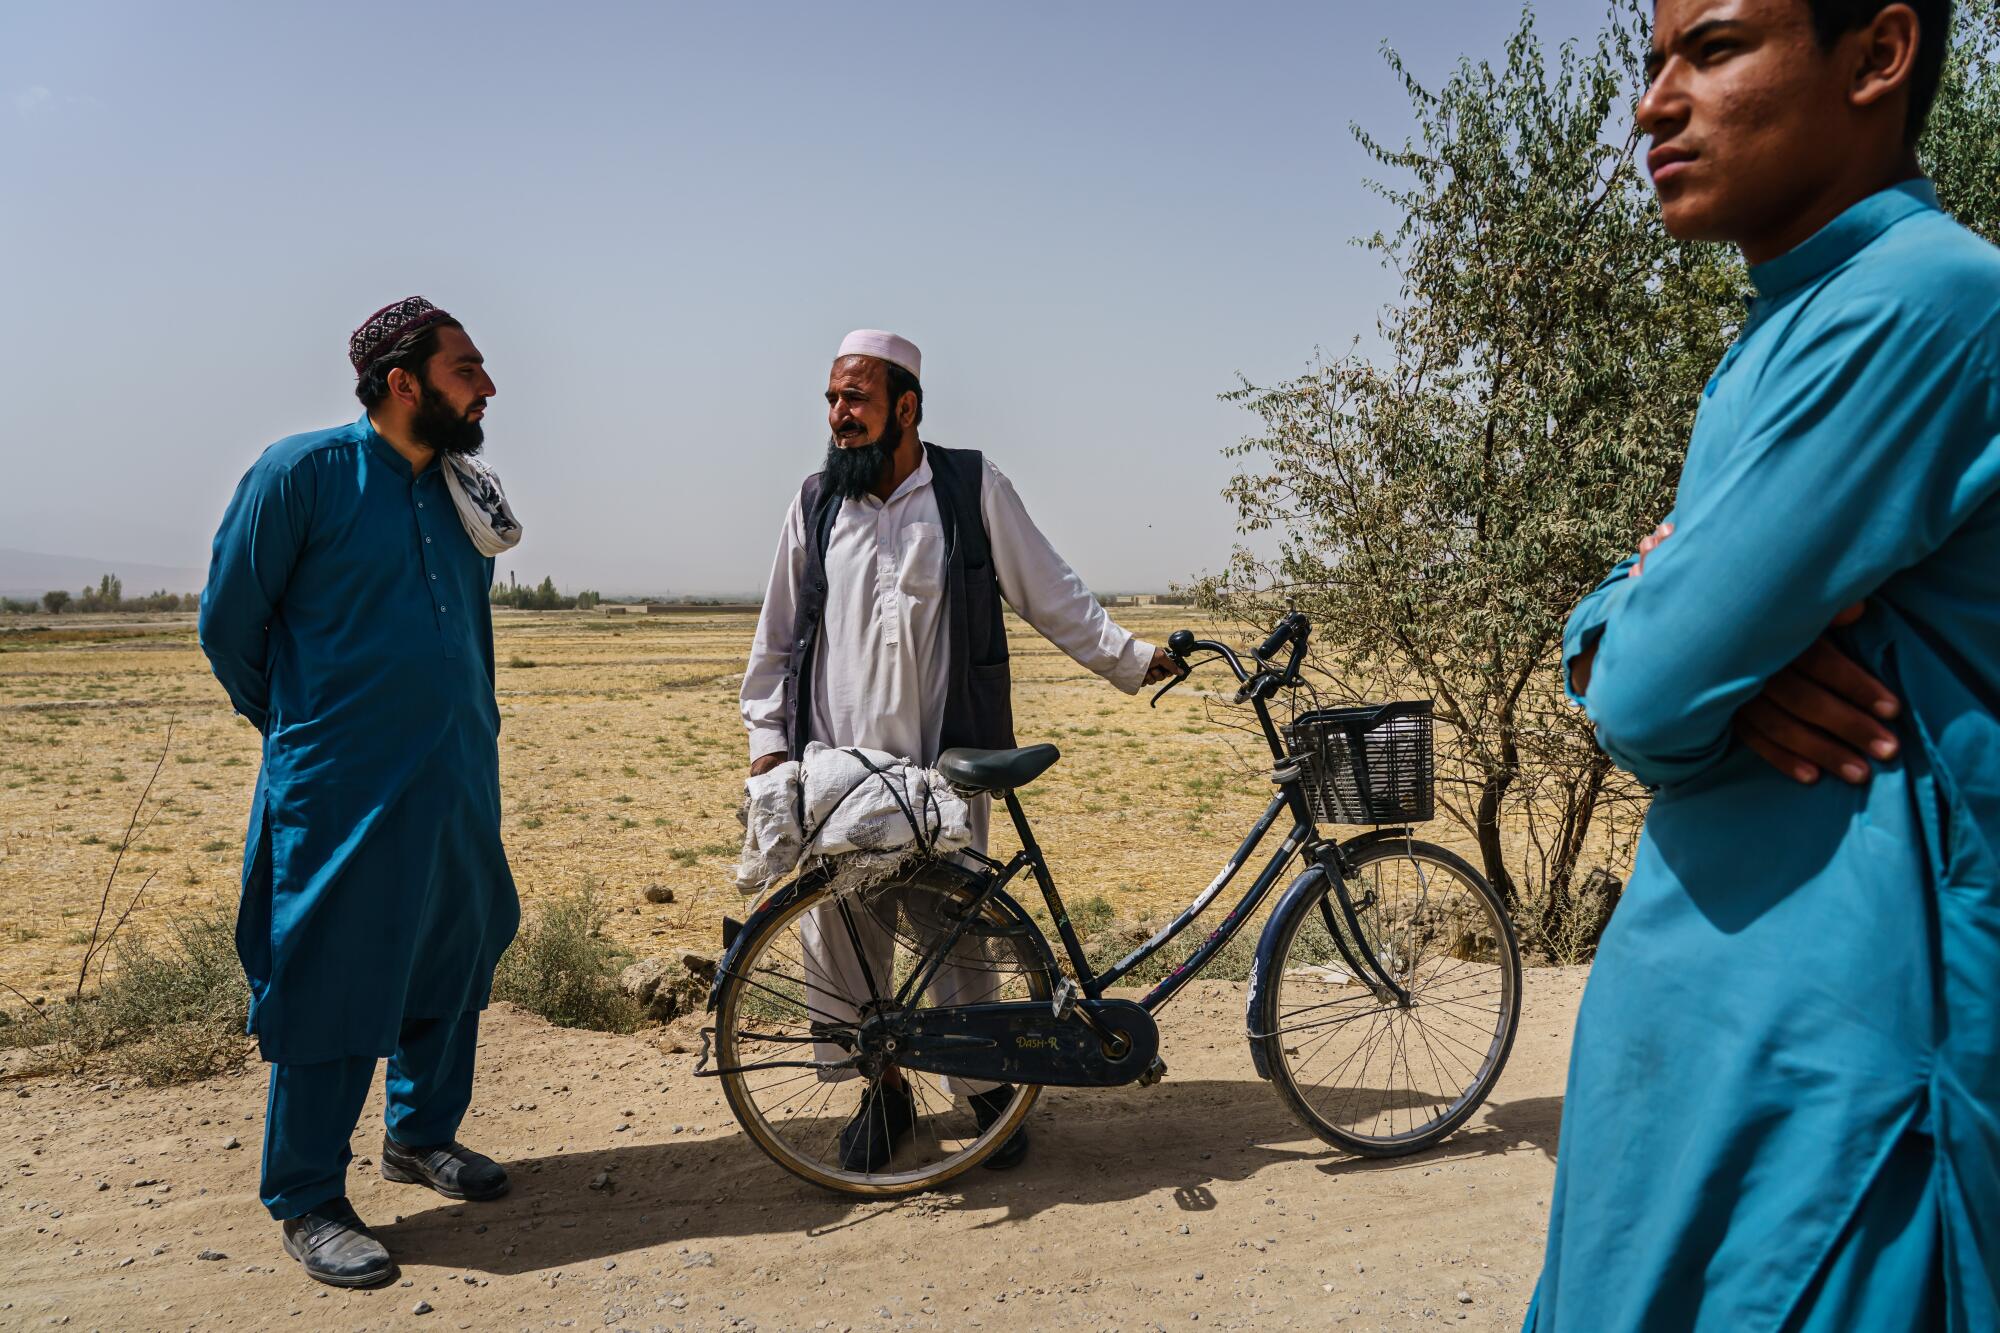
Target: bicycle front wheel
x=1369 y=1071
x=801 y=1075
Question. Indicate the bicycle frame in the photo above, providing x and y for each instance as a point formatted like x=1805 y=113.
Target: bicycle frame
x=1304 y=835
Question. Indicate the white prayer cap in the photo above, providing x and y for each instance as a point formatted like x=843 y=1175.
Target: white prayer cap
x=881 y=343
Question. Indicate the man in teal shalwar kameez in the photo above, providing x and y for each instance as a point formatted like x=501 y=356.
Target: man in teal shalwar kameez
x=346 y=615
x=1784 y=1099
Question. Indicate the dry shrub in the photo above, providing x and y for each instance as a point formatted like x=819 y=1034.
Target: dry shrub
x=172 y=1010
x=178 y=1006
x=561 y=967
x=174 y=1007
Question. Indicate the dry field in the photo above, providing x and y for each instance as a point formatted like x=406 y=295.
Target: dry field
x=638 y=1204
x=621 y=759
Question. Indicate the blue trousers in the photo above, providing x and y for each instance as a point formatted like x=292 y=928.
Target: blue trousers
x=313 y=1109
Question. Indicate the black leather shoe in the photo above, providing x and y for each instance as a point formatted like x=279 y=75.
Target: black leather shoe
x=452 y=1169
x=335 y=1247
x=886 y=1117
x=989 y=1106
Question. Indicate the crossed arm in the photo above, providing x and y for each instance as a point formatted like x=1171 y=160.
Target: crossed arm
x=1821 y=714
x=1865 y=452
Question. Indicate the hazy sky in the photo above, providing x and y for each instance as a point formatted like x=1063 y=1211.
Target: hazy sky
x=658 y=219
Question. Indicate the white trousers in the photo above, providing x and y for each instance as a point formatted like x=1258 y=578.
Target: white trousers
x=837 y=983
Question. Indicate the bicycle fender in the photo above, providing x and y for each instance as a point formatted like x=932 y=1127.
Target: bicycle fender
x=1299 y=895
x=736 y=934
x=1373 y=836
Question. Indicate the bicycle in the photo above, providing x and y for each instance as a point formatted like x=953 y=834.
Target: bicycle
x=1389 y=964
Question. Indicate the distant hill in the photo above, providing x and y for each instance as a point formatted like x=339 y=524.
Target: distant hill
x=32 y=573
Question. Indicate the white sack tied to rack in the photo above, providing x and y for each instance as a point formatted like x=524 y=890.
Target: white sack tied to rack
x=871 y=808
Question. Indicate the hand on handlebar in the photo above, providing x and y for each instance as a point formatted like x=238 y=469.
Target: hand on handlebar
x=1168 y=665
x=1162 y=666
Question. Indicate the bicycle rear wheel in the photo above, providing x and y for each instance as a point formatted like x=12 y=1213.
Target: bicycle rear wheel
x=1367 y=1072
x=790 y=1012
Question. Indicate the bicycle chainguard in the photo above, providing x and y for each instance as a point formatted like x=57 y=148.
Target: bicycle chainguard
x=1063 y=1005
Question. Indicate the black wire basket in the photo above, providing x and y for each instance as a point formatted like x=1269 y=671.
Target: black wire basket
x=1369 y=765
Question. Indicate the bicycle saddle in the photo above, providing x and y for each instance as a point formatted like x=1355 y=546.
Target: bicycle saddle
x=996 y=770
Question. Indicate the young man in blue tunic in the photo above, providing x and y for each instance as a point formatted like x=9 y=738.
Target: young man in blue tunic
x=346 y=615
x=1784 y=1099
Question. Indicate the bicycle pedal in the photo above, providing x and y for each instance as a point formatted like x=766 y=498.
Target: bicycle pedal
x=1063 y=1002
x=1154 y=1073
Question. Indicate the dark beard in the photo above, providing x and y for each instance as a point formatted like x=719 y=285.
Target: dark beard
x=853 y=472
x=436 y=426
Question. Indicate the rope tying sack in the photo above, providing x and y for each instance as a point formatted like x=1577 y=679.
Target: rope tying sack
x=859 y=815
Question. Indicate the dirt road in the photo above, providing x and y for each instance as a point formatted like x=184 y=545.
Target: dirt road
x=637 y=1204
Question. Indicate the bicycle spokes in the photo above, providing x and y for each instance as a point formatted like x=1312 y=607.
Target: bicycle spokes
x=1385 y=1066
x=806 y=1035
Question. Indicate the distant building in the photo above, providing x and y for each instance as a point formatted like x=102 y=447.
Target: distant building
x=696 y=608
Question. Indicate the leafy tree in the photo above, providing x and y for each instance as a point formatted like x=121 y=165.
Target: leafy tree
x=55 y=599
x=1961 y=145
x=108 y=595
x=1443 y=505
x=542 y=597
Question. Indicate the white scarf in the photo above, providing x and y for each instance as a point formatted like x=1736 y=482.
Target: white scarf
x=482 y=506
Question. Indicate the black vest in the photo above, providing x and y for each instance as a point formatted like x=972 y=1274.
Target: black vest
x=979 y=698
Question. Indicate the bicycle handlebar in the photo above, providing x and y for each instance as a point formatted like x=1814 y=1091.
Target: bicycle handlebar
x=1287 y=628
x=1294 y=628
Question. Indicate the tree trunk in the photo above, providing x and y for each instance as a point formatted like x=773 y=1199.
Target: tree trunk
x=1486 y=830
x=1579 y=805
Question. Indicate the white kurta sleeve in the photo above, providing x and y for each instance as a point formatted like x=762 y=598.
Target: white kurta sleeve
x=763 y=696
x=1046 y=592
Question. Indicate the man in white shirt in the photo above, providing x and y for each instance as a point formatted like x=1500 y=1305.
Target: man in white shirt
x=882 y=628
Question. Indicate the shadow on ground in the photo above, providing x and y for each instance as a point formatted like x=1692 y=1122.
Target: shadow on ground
x=1089 y=1147
x=1502 y=1127
x=1534 y=1121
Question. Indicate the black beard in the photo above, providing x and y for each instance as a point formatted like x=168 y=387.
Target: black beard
x=853 y=471
x=436 y=426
